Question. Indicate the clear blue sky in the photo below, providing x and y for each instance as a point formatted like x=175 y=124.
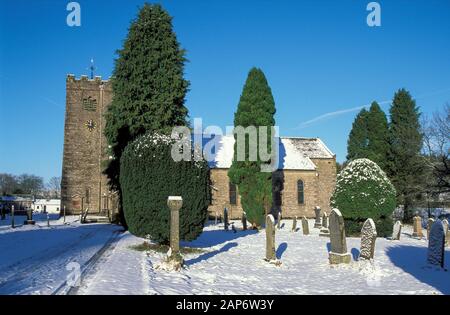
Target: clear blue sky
x=320 y=58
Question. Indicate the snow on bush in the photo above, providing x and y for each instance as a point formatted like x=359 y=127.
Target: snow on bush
x=364 y=191
x=149 y=174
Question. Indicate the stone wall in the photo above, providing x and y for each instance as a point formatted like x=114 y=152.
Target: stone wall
x=85 y=146
x=318 y=187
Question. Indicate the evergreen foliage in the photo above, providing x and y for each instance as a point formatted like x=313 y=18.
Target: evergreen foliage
x=357 y=141
x=377 y=136
x=148 y=85
x=405 y=166
x=148 y=175
x=256 y=108
x=363 y=191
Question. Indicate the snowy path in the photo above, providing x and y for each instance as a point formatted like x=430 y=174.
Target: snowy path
x=233 y=264
x=34 y=258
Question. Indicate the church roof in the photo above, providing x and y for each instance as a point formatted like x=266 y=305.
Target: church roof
x=294 y=153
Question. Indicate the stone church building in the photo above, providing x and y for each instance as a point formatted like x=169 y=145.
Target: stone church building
x=305 y=178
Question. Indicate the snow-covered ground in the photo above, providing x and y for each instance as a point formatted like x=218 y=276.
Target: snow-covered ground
x=233 y=264
x=33 y=259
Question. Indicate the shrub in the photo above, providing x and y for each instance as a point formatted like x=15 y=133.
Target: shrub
x=363 y=191
x=148 y=175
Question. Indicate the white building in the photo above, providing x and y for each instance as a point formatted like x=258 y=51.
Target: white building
x=47 y=205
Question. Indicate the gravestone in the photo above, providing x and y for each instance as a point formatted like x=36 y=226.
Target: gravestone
x=226 y=224
x=216 y=219
x=447 y=234
x=294 y=225
x=417 y=227
x=174 y=256
x=430 y=223
x=368 y=238
x=436 y=245
x=338 y=253
x=305 y=226
x=270 y=238
x=397 y=231
x=325 y=220
x=279 y=220
x=324 y=231
x=244 y=221
x=317 y=223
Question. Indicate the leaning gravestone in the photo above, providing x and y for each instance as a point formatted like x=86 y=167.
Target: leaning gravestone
x=244 y=221
x=368 y=238
x=430 y=223
x=317 y=223
x=270 y=238
x=447 y=234
x=417 y=227
x=294 y=225
x=436 y=244
x=305 y=226
x=225 y=219
x=338 y=253
x=397 y=231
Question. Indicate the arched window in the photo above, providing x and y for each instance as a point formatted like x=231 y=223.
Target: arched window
x=233 y=194
x=300 y=192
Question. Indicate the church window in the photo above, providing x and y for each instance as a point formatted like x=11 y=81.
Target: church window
x=300 y=192
x=233 y=194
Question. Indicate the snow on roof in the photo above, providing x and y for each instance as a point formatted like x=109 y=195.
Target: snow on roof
x=294 y=153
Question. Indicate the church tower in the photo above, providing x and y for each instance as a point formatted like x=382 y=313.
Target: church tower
x=83 y=186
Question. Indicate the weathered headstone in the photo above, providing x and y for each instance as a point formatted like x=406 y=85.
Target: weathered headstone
x=436 y=245
x=317 y=223
x=325 y=220
x=368 y=239
x=175 y=203
x=417 y=227
x=397 y=231
x=244 y=221
x=446 y=231
x=338 y=253
x=279 y=220
x=305 y=226
x=430 y=223
x=324 y=231
x=226 y=224
x=270 y=238
x=216 y=218
x=294 y=225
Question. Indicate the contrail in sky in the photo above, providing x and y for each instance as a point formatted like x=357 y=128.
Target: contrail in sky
x=354 y=109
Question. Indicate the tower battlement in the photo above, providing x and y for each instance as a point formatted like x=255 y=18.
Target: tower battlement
x=71 y=78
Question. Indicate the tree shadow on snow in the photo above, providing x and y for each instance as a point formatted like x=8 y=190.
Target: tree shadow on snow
x=209 y=255
x=281 y=249
x=217 y=237
x=413 y=260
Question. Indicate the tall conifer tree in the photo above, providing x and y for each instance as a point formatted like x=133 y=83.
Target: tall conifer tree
x=358 y=139
x=405 y=164
x=148 y=85
x=256 y=108
x=377 y=136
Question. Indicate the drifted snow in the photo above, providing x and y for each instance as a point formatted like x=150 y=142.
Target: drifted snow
x=233 y=263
